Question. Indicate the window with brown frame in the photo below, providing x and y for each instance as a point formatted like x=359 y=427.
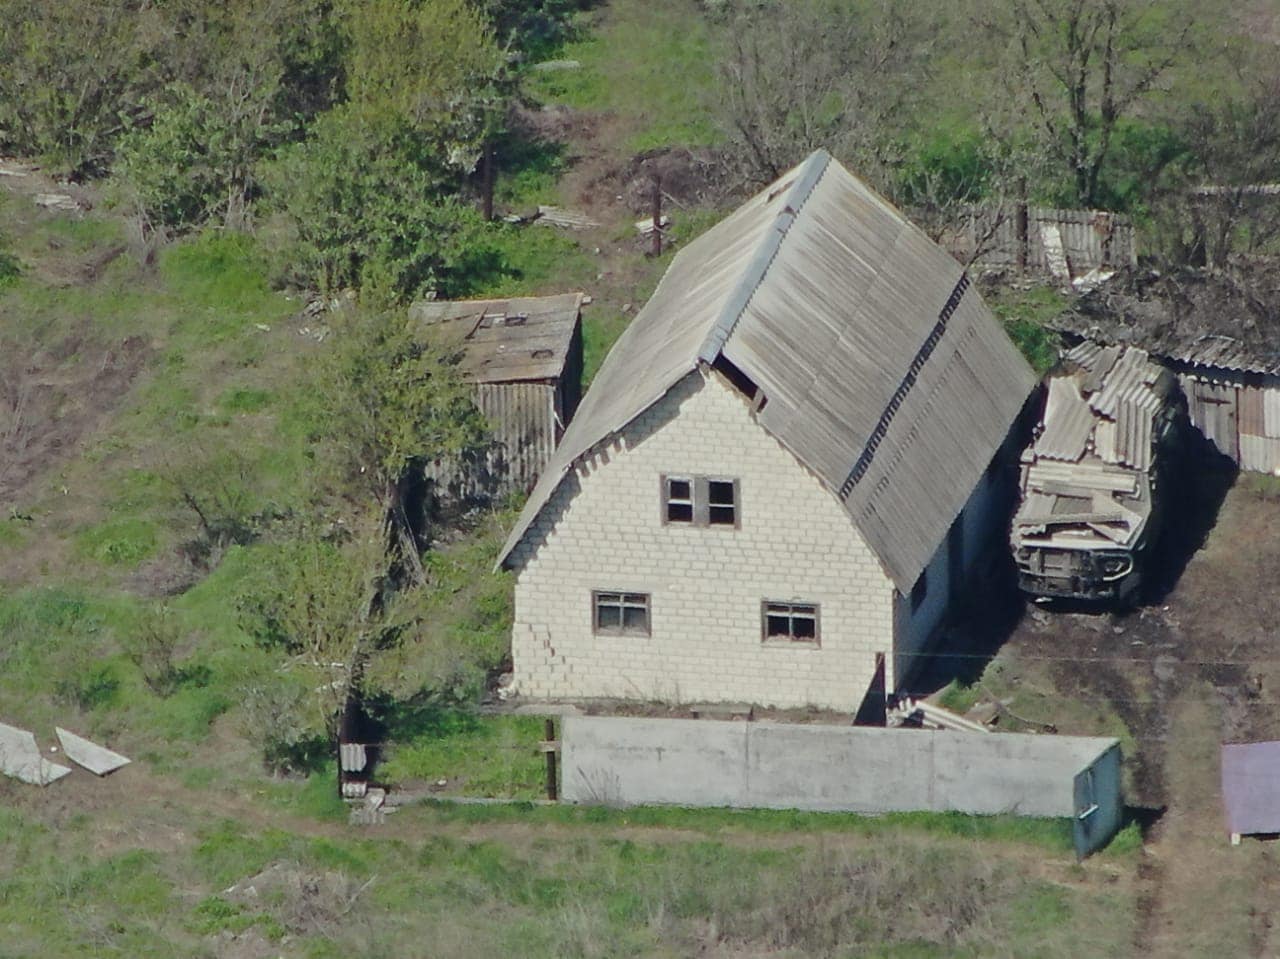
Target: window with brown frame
x=790 y=622
x=700 y=501
x=617 y=613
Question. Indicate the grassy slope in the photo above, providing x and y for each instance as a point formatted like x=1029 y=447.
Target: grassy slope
x=556 y=882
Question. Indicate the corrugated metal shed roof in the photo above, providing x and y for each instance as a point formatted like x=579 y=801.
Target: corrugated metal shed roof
x=524 y=338
x=884 y=373
x=1251 y=787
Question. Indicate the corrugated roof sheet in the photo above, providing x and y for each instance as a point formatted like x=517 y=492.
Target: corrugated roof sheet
x=884 y=374
x=501 y=341
x=1082 y=479
x=1251 y=787
x=1068 y=421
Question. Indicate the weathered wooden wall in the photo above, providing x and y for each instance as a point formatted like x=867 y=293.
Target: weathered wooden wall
x=1090 y=239
x=526 y=427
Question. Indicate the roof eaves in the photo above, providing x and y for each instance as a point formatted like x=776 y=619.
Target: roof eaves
x=736 y=304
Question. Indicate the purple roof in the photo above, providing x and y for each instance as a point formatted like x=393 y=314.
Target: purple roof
x=1251 y=787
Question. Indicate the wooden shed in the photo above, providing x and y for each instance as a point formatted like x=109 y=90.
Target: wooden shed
x=524 y=358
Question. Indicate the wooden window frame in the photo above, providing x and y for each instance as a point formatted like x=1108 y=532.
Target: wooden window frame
x=625 y=599
x=791 y=640
x=699 y=500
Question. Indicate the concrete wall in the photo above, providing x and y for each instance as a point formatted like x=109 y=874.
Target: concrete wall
x=603 y=530
x=831 y=768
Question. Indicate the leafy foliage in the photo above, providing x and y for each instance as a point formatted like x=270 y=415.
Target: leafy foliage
x=390 y=398
x=371 y=205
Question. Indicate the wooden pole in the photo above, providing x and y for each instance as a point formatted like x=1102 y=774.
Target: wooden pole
x=1023 y=225
x=487 y=187
x=657 y=215
x=552 y=789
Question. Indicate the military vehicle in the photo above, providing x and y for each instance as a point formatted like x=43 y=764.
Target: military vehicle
x=1090 y=504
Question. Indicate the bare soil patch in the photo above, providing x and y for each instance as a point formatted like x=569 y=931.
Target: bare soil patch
x=55 y=398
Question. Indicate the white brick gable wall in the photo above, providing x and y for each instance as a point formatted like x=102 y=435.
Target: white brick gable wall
x=603 y=530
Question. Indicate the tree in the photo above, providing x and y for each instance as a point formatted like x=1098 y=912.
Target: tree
x=392 y=401
x=1081 y=67
x=328 y=606
x=803 y=74
x=372 y=194
x=1231 y=190
x=243 y=81
x=70 y=76
x=371 y=204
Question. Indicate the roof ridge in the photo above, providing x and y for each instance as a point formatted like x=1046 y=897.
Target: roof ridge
x=800 y=189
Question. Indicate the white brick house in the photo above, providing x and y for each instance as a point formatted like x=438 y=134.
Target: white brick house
x=780 y=475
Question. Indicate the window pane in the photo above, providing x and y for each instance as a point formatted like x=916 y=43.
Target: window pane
x=803 y=626
x=635 y=617
x=721 y=516
x=636 y=599
x=608 y=617
x=678 y=489
x=679 y=512
x=778 y=625
x=720 y=493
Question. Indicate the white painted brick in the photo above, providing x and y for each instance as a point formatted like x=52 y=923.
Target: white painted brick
x=604 y=531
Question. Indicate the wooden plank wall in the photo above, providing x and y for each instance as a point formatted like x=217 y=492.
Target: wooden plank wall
x=1241 y=419
x=1090 y=238
x=525 y=428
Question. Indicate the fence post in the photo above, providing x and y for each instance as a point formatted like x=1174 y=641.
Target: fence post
x=552 y=789
x=657 y=215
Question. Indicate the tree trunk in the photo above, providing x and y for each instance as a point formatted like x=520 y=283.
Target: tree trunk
x=401 y=530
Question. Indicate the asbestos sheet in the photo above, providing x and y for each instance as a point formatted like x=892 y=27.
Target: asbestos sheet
x=1068 y=422
x=20 y=758
x=97 y=759
x=1271 y=413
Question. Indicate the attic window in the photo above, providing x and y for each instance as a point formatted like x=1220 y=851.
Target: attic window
x=700 y=500
x=790 y=623
x=677 y=499
x=722 y=502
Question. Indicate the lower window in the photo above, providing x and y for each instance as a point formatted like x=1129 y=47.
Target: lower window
x=793 y=622
x=620 y=612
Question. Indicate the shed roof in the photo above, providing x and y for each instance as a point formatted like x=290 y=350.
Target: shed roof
x=1251 y=787
x=884 y=373
x=1218 y=320
x=523 y=338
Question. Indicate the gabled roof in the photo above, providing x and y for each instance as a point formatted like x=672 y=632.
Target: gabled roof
x=883 y=372
x=502 y=341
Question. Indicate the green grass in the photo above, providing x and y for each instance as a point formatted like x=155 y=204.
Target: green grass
x=959 y=697
x=125 y=542
x=482 y=755
x=650 y=64
x=1024 y=314
x=1050 y=835
x=534 y=260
